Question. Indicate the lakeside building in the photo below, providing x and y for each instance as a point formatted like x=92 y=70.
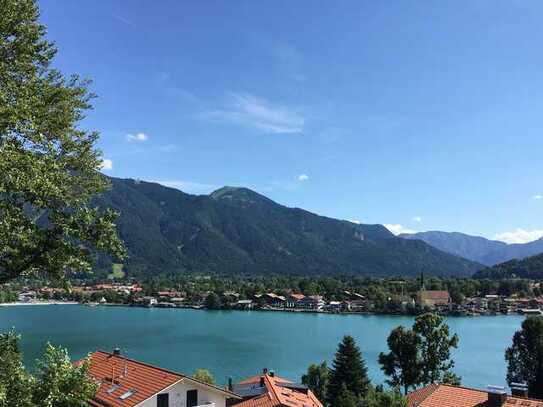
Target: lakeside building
x=245 y=304
x=313 y=302
x=129 y=383
x=292 y=300
x=433 y=298
x=269 y=390
x=444 y=395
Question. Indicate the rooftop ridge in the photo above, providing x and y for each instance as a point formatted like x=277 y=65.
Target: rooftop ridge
x=180 y=375
x=111 y=355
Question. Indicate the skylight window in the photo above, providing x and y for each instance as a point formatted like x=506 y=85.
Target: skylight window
x=113 y=388
x=127 y=394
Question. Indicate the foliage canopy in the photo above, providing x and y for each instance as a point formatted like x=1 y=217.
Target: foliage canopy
x=49 y=166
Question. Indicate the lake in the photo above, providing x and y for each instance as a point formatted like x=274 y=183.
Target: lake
x=241 y=343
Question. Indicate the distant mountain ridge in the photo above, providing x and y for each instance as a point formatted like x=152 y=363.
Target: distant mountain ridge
x=476 y=248
x=236 y=230
x=530 y=267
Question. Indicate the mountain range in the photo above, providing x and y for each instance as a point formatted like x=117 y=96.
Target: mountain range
x=530 y=267
x=476 y=248
x=238 y=231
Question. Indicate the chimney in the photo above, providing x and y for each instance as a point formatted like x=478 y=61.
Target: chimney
x=230 y=384
x=519 y=390
x=265 y=370
x=262 y=381
x=497 y=396
x=272 y=373
x=116 y=352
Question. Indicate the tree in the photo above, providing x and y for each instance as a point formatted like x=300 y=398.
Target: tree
x=525 y=356
x=348 y=370
x=203 y=375
x=346 y=398
x=60 y=383
x=403 y=363
x=213 y=301
x=317 y=380
x=452 y=379
x=378 y=397
x=15 y=382
x=49 y=167
x=435 y=347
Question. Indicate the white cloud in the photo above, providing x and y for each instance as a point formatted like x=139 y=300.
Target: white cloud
x=139 y=137
x=248 y=110
x=303 y=177
x=417 y=219
x=123 y=20
x=519 y=236
x=106 y=164
x=398 y=229
x=538 y=197
x=355 y=221
x=189 y=186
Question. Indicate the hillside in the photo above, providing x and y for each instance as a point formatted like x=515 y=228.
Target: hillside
x=531 y=267
x=476 y=248
x=236 y=230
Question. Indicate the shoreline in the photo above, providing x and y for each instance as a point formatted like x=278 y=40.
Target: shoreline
x=296 y=311
x=23 y=304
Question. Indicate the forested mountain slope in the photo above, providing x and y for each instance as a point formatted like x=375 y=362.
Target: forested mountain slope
x=236 y=230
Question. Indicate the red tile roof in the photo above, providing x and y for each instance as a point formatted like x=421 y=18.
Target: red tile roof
x=277 y=395
x=297 y=296
x=118 y=375
x=442 y=395
x=434 y=295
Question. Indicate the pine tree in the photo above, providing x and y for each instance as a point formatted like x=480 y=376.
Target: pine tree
x=349 y=370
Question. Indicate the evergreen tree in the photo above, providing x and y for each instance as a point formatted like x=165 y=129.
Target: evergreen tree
x=525 y=356
x=49 y=166
x=349 y=371
x=317 y=380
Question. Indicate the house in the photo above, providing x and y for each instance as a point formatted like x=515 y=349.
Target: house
x=433 y=298
x=355 y=305
x=269 y=390
x=271 y=299
x=293 y=299
x=245 y=304
x=443 y=395
x=335 y=306
x=26 y=296
x=167 y=295
x=230 y=296
x=129 y=383
x=314 y=302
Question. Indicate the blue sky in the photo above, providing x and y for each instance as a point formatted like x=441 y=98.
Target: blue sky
x=422 y=115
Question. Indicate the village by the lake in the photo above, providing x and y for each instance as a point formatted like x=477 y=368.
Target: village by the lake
x=233 y=203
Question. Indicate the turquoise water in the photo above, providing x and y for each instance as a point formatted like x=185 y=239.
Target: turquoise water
x=241 y=343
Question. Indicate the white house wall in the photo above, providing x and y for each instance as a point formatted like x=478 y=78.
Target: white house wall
x=178 y=396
